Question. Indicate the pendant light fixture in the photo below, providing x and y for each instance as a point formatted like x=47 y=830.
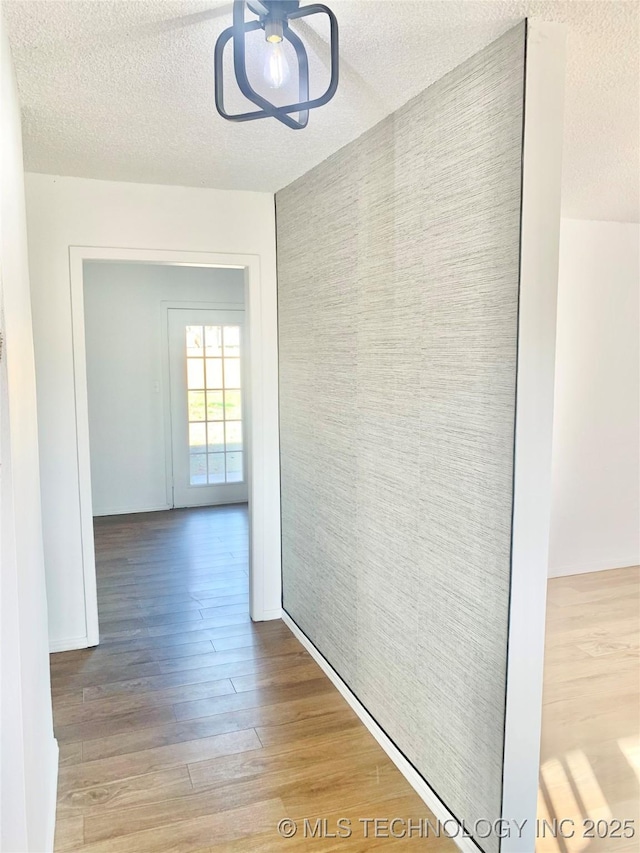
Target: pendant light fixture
x=273 y=18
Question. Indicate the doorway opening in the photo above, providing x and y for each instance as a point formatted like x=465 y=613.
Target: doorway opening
x=174 y=414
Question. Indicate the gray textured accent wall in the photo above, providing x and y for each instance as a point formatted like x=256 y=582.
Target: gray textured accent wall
x=398 y=262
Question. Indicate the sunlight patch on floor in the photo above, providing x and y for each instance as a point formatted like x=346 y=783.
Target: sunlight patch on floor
x=630 y=748
x=570 y=792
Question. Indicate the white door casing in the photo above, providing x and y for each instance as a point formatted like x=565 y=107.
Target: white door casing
x=263 y=434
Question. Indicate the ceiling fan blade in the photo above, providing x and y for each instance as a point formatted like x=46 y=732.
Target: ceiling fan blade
x=154 y=28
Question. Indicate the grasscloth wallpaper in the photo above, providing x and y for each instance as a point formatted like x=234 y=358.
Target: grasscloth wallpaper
x=398 y=297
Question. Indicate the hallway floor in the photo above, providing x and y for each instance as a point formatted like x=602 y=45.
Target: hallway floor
x=190 y=728
x=590 y=761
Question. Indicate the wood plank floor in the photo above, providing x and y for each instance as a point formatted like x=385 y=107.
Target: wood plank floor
x=590 y=762
x=190 y=728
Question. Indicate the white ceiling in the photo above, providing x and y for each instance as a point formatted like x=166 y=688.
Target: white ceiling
x=123 y=90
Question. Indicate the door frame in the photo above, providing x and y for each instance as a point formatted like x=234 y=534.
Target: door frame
x=263 y=429
x=165 y=307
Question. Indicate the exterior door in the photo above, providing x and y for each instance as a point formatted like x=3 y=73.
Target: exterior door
x=206 y=370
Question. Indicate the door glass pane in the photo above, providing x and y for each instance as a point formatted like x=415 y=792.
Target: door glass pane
x=232 y=405
x=215 y=406
x=194 y=340
x=198 y=469
x=215 y=414
x=215 y=432
x=196 y=405
x=195 y=373
x=216 y=468
x=197 y=437
x=232 y=373
x=234 y=435
x=213 y=340
x=214 y=373
x=232 y=341
x=234 y=468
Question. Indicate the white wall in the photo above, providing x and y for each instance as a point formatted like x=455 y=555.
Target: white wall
x=28 y=751
x=595 y=520
x=126 y=352
x=64 y=212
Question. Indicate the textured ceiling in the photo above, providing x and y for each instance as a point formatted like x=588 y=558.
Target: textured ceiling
x=123 y=90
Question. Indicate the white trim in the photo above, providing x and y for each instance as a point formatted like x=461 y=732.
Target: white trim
x=76 y=259
x=268 y=615
x=69 y=644
x=594 y=566
x=53 y=797
x=228 y=502
x=165 y=306
x=262 y=388
x=540 y=230
x=128 y=510
x=430 y=799
x=203 y=494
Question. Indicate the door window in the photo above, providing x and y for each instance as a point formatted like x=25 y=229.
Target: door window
x=214 y=405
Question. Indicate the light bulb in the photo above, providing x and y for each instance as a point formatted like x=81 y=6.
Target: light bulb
x=276 y=67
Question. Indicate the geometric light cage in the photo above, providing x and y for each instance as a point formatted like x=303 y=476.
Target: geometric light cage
x=286 y=10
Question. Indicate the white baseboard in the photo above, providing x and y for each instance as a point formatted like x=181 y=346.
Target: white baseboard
x=53 y=796
x=243 y=500
x=268 y=615
x=131 y=510
x=69 y=645
x=594 y=566
x=430 y=799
